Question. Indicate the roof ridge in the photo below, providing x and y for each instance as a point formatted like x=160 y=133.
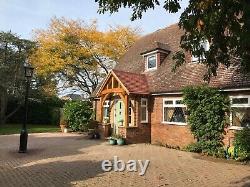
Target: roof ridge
x=127 y=72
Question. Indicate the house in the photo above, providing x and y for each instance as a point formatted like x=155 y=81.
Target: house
x=72 y=97
x=142 y=100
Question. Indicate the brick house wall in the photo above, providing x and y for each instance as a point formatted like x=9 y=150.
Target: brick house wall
x=229 y=137
x=166 y=134
x=156 y=132
x=141 y=133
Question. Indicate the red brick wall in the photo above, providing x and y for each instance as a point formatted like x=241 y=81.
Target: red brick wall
x=155 y=131
x=142 y=132
x=166 y=134
x=139 y=134
x=228 y=137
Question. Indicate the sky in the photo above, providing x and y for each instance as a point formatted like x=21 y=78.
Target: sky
x=23 y=16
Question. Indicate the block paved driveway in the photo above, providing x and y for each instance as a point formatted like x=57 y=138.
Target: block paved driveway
x=56 y=159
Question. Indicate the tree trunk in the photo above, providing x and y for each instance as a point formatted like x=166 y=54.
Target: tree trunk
x=3 y=106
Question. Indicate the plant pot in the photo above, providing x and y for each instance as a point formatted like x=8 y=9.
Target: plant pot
x=65 y=130
x=112 y=141
x=121 y=141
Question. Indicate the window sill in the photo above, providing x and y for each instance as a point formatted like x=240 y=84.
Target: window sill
x=235 y=128
x=174 y=123
x=144 y=122
x=149 y=70
x=131 y=127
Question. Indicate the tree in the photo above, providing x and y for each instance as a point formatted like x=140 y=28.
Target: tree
x=13 y=53
x=224 y=23
x=78 y=55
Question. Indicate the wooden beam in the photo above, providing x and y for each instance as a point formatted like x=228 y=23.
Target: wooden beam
x=104 y=97
x=112 y=82
x=113 y=90
x=126 y=110
x=101 y=103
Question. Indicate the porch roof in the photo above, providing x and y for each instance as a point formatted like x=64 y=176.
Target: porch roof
x=135 y=83
x=132 y=83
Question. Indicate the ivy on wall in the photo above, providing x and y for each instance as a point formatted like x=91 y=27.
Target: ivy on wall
x=207 y=115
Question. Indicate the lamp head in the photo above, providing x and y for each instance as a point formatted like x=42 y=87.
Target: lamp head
x=28 y=70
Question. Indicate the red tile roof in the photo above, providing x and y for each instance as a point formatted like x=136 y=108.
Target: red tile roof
x=163 y=79
x=156 y=46
x=131 y=67
x=134 y=82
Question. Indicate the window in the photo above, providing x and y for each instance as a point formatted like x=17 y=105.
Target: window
x=174 y=111
x=106 y=111
x=131 y=114
x=240 y=111
x=205 y=45
x=151 y=62
x=144 y=110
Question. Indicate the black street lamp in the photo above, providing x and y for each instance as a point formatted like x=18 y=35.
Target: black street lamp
x=28 y=70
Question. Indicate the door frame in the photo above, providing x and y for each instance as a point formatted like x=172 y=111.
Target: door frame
x=116 y=124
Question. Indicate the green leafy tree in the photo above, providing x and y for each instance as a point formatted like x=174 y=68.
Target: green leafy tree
x=13 y=53
x=224 y=23
x=207 y=108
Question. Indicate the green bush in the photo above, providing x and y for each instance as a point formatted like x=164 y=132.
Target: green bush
x=194 y=147
x=206 y=108
x=198 y=147
x=242 y=143
x=78 y=114
x=40 y=111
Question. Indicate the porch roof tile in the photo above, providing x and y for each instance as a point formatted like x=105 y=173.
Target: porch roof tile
x=134 y=82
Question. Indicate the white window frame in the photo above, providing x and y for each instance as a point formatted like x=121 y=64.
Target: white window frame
x=147 y=58
x=237 y=106
x=141 y=105
x=106 y=105
x=132 y=124
x=206 y=48
x=172 y=105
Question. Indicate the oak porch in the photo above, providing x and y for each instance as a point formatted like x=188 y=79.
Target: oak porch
x=112 y=88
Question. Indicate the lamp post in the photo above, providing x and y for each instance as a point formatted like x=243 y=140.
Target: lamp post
x=28 y=70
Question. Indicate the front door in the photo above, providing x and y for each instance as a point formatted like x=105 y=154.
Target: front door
x=118 y=115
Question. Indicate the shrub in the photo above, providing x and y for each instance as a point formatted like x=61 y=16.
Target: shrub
x=78 y=114
x=194 y=147
x=206 y=108
x=242 y=143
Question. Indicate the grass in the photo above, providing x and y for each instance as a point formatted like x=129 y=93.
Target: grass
x=32 y=128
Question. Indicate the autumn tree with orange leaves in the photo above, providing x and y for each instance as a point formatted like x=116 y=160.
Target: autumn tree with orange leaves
x=77 y=55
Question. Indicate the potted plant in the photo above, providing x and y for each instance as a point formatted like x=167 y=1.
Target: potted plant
x=112 y=140
x=120 y=140
x=64 y=125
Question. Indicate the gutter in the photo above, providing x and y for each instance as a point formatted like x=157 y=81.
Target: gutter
x=222 y=90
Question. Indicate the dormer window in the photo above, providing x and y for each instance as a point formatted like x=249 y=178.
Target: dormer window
x=151 y=62
x=205 y=45
x=154 y=55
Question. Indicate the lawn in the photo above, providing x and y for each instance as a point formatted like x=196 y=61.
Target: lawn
x=16 y=128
